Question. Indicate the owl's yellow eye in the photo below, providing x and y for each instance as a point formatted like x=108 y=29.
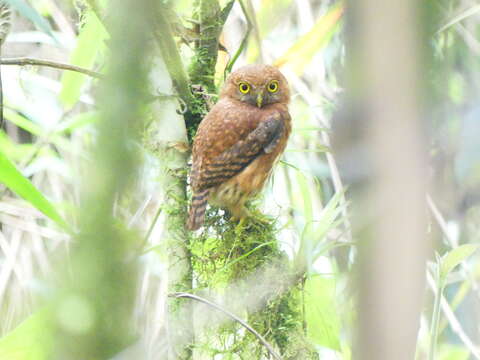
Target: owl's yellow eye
x=273 y=86
x=244 y=88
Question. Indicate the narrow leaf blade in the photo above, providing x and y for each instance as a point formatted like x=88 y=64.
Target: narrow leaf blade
x=31 y=14
x=300 y=54
x=29 y=340
x=455 y=257
x=15 y=181
x=323 y=322
x=89 y=43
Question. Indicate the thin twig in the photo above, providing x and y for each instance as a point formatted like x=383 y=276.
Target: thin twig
x=164 y=37
x=256 y=30
x=150 y=229
x=243 y=44
x=139 y=211
x=435 y=315
x=229 y=314
x=454 y=323
x=24 y=61
x=306 y=94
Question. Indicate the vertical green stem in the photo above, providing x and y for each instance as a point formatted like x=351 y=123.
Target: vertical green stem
x=435 y=319
x=206 y=52
x=92 y=312
x=211 y=19
x=168 y=129
x=171 y=56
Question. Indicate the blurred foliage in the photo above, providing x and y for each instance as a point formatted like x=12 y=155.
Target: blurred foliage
x=17 y=183
x=90 y=45
x=29 y=341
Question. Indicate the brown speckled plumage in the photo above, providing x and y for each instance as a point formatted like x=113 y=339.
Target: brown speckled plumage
x=239 y=140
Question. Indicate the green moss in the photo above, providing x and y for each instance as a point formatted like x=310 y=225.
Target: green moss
x=282 y=321
x=225 y=254
x=202 y=66
x=195 y=113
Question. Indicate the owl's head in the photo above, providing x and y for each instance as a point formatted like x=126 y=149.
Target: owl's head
x=257 y=85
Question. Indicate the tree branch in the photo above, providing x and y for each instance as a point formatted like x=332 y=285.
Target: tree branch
x=24 y=61
x=164 y=37
x=232 y=316
x=211 y=20
x=243 y=44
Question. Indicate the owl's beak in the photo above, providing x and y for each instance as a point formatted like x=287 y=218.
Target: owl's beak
x=259 y=100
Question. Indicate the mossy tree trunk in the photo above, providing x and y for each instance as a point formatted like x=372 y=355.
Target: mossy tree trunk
x=167 y=137
x=210 y=19
x=222 y=255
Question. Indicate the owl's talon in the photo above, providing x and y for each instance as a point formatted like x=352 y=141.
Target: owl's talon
x=250 y=218
x=259 y=217
x=240 y=226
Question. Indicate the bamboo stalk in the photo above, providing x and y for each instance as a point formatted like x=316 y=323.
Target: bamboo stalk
x=91 y=315
x=393 y=246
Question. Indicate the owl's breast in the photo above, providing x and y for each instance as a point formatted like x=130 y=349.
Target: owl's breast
x=250 y=181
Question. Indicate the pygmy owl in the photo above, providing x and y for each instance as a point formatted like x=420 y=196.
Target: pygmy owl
x=239 y=140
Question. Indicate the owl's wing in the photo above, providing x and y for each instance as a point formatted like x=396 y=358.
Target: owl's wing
x=263 y=139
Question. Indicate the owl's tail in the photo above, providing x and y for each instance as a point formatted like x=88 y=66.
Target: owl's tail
x=196 y=215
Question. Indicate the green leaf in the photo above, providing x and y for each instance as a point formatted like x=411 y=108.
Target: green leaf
x=319 y=229
x=78 y=121
x=453 y=352
x=323 y=323
x=16 y=152
x=15 y=181
x=31 y=14
x=328 y=216
x=269 y=14
x=29 y=341
x=89 y=43
x=455 y=257
x=300 y=54
x=316 y=230
x=22 y=122
x=306 y=197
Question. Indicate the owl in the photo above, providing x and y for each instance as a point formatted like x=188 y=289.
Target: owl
x=238 y=141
